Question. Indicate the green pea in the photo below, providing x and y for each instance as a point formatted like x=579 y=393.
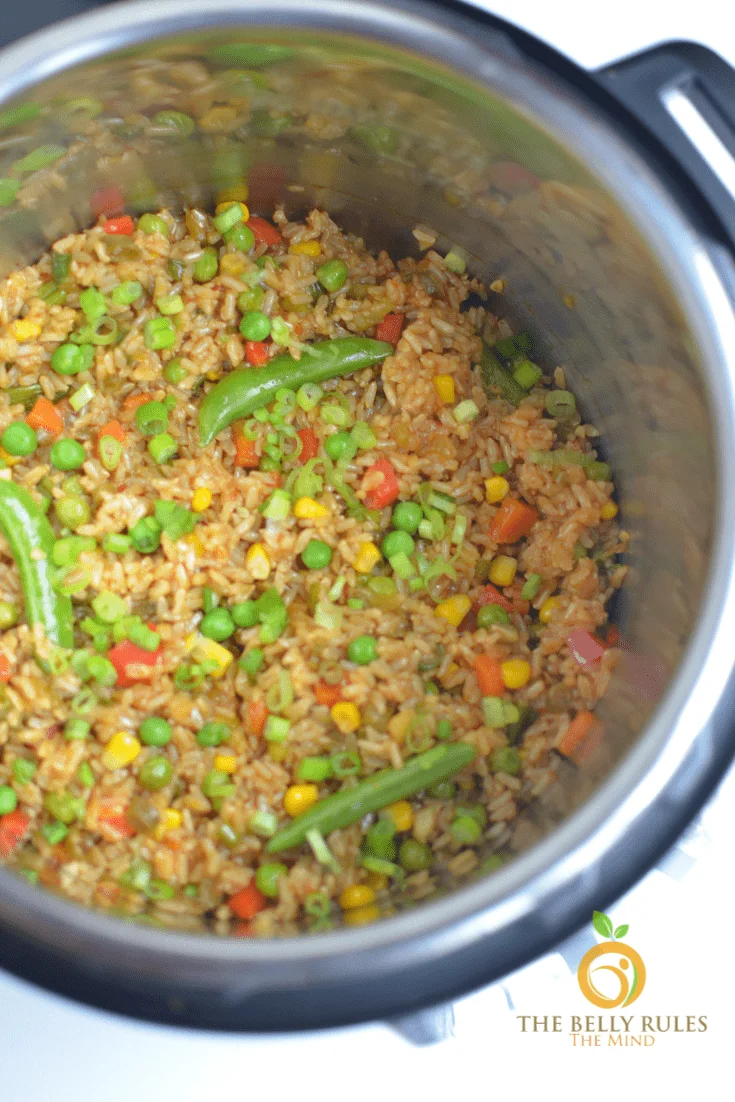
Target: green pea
x=153 y=223
x=414 y=856
x=255 y=326
x=397 y=543
x=8 y=799
x=465 y=830
x=407 y=516
x=362 y=650
x=217 y=625
x=176 y=122
x=241 y=237
x=24 y=770
x=332 y=275
x=68 y=359
x=54 y=833
x=174 y=372
x=8 y=615
x=146 y=535
x=72 y=511
x=67 y=455
x=245 y=614
x=154 y=731
x=316 y=555
x=19 y=439
x=213 y=733
x=267 y=877
x=207 y=266
x=252 y=299
x=492 y=614
x=156 y=773
x=340 y=446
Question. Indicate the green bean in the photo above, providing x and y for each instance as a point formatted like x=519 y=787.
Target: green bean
x=29 y=534
x=374 y=793
x=241 y=392
x=496 y=378
x=23 y=395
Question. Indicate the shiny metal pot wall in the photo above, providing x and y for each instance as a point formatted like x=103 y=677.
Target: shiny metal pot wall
x=387 y=117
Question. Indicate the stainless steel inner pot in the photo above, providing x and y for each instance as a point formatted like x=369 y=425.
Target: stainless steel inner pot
x=614 y=267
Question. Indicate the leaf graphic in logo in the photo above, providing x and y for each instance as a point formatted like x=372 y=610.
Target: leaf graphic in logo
x=621 y=931
x=602 y=924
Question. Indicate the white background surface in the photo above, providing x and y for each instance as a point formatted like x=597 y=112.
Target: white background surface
x=54 y=1051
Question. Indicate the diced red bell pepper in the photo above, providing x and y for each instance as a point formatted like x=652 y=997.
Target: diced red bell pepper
x=256 y=352
x=386 y=491
x=489 y=595
x=118 y=824
x=126 y=654
x=489 y=675
x=585 y=647
x=6 y=668
x=389 y=329
x=107 y=200
x=513 y=520
x=246 y=453
x=247 y=902
x=265 y=232
x=12 y=828
x=310 y=442
x=327 y=694
x=123 y=225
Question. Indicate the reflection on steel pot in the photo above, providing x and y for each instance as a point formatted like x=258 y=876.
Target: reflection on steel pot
x=595 y=241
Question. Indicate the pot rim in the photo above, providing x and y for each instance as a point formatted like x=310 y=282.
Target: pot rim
x=678 y=757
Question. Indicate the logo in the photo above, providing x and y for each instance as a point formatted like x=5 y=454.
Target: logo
x=611 y=974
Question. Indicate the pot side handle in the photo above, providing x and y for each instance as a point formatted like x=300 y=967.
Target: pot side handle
x=685 y=95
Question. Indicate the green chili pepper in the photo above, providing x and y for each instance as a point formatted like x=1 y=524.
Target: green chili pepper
x=374 y=793
x=241 y=392
x=28 y=532
x=496 y=378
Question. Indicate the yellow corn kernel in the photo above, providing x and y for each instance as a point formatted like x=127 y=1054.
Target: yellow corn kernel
x=238 y=193
x=346 y=716
x=170 y=820
x=219 y=120
x=454 y=609
x=226 y=763
x=609 y=510
x=516 y=672
x=357 y=895
x=401 y=723
x=502 y=570
x=24 y=330
x=495 y=489
x=257 y=562
x=444 y=386
x=195 y=540
x=233 y=263
x=308 y=509
x=225 y=204
x=361 y=916
x=121 y=750
x=378 y=881
x=277 y=751
x=201 y=499
x=207 y=650
x=214 y=374
x=368 y=556
x=546 y=612
x=299 y=798
x=11 y=460
x=402 y=815
x=306 y=248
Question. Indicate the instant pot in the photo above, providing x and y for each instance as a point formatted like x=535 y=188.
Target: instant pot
x=593 y=206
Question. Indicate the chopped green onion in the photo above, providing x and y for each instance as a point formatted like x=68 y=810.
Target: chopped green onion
x=363 y=436
x=355 y=602
x=277 y=505
x=334 y=415
x=127 y=292
x=489 y=615
x=85 y=701
x=443 y=730
x=175 y=520
x=85 y=775
x=443 y=502
x=328 y=616
x=346 y=763
x=263 y=823
x=402 y=565
x=322 y=852
x=455 y=262
x=335 y=592
x=109 y=607
x=280 y=331
x=76 y=730
x=501 y=467
x=102 y=670
x=252 y=661
x=531 y=587
x=317 y=904
x=81 y=397
x=308 y=396
x=527 y=374
x=110 y=450
x=466 y=411
x=493 y=711
x=599 y=472
x=162 y=447
x=116 y=542
x=276 y=729
x=459 y=531
x=560 y=404
x=170 y=304
x=280 y=696
x=143 y=636
x=93 y=304
x=159 y=333
x=314 y=769
x=382 y=867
